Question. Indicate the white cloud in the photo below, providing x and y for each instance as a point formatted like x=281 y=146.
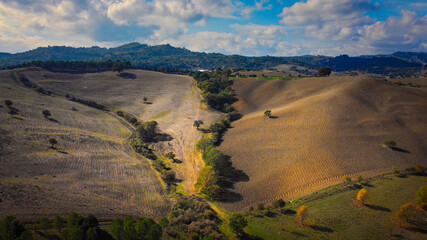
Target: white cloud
x=409 y=32
x=261 y=5
x=328 y=19
x=260 y=31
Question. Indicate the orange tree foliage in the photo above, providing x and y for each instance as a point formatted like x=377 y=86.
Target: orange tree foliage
x=411 y=214
x=361 y=195
x=302 y=214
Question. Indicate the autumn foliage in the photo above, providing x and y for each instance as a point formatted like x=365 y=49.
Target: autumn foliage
x=361 y=195
x=302 y=214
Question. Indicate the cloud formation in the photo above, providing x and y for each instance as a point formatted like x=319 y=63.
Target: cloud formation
x=328 y=27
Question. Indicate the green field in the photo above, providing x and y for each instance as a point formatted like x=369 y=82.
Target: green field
x=337 y=216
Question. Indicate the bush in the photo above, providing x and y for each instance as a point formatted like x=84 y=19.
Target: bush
x=279 y=203
x=389 y=143
x=238 y=223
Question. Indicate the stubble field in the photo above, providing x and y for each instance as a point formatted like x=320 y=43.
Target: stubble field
x=321 y=131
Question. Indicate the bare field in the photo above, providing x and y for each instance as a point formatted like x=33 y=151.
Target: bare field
x=173 y=101
x=321 y=130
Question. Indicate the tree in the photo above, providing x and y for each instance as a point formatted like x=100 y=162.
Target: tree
x=145 y=99
x=148 y=131
x=91 y=234
x=411 y=214
x=46 y=113
x=197 y=124
x=118 y=67
x=421 y=199
x=117 y=229
x=11 y=228
x=238 y=223
x=279 y=203
x=76 y=233
x=267 y=113
x=325 y=71
x=8 y=103
x=171 y=156
x=260 y=206
x=44 y=224
x=359 y=178
x=361 y=195
x=389 y=143
x=58 y=223
x=302 y=214
x=26 y=235
x=53 y=142
x=12 y=112
x=72 y=219
x=207 y=182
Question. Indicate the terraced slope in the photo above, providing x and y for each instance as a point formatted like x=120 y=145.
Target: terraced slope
x=322 y=130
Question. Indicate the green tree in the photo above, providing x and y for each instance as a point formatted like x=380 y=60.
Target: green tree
x=145 y=99
x=76 y=233
x=26 y=235
x=72 y=220
x=267 y=113
x=148 y=131
x=279 y=203
x=117 y=228
x=170 y=155
x=8 y=103
x=197 y=124
x=44 y=224
x=53 y=142
x=11 y=228
x=12 y=112
x=58 y=223
x=91 y=234
x=207 y=182
x=46 y=113
x=129 y=228
x=164 y=222
x=238 y=223
x=389 y=143
x=118 y=67
x=325 y=71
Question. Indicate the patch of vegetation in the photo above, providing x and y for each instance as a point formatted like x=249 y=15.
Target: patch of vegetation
x=129 y=117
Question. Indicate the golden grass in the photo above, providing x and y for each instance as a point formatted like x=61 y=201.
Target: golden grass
x=322 y=130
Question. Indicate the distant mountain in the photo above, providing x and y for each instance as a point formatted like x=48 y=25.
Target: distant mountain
x=167 y=56
x=3 y=54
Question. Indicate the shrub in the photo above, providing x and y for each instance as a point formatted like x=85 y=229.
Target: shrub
x=325 y=71
x=389 y=143
x=421 y=199
x=8 y=103
x=53 y=142
x=267 y=113
x=395 y=171
x=238 y=223
x=279 y=203
x=46 y=113
x=359 y=178
x=260 y=207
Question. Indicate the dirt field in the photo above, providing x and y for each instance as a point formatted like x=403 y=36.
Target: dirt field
x=93 y=170
x=322 y=130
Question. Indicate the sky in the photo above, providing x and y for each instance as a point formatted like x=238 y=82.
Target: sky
x=244 y=27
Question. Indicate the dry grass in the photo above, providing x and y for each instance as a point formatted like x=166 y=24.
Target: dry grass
x=324 y=129
x=93 y=170
x=174 y=102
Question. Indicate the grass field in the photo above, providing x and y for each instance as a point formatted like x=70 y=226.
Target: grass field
x=93 y=169
x=337 y=216
x=321 y=130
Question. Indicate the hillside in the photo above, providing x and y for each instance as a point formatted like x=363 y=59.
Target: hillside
x=165 y=56
x=94 y=170
x=321 y=130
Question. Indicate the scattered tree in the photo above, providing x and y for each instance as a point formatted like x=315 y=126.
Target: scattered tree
x=44 y=224
x=238 y=223
x=145 y=99
x=267 y=113
x=12 y=112
x=197 y=124
x=389 y=143
x=361 y=195
x=58 y=223
x=171 y=156
x=260 y=206
x=325 y=71
x=46 y=113
x=421 y=199
x=279 y=203
x=53 y=142
x=8 y=103
x=302 y=214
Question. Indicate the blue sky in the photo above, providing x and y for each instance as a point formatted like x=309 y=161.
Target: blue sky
x=246 y=27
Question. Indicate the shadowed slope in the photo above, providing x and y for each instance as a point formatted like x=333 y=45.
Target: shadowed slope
x=324 y=129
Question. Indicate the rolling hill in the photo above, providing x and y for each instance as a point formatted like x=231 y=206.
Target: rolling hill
x=321 y=130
